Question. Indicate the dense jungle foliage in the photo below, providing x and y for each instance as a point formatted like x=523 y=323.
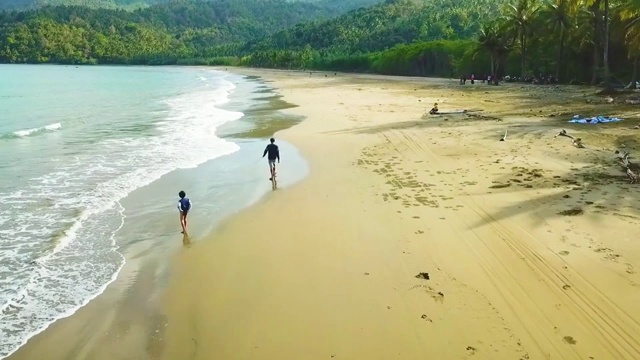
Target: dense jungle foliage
x=549 y=40
x=159 y=34
x=533 y=40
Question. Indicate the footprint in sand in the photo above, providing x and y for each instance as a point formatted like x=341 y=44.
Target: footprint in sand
x=564 y=253
x=630 y=270
x=426 y=318
x=471 y=350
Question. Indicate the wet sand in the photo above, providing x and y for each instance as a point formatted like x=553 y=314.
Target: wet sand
x=424 y=237
x=413 y=237
x=126 y=321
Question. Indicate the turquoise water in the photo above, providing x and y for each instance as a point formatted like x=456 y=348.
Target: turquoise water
x=91 y=161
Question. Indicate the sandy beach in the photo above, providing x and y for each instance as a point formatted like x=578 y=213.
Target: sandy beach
x=424 y=237
x=412 y=236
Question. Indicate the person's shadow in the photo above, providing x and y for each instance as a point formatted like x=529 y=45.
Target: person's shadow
x=186 y=240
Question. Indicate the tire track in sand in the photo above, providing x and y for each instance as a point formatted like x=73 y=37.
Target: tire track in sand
x=530 y=287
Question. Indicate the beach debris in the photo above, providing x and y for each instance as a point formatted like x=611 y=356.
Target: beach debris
x=637 y=126
x=628 y=165
x=577 y=142
x=563 y=132
x=623 y=156
x=571 y=212
x=633 y=177
x=504 y=137
x=366 y=273
x=423 y=275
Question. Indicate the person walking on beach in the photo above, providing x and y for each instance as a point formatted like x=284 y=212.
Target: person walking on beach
x=274 y=154
x=184 y=205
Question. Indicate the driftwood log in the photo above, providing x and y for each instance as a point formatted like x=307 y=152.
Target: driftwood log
x=504 y=137
x=577 y=142
x=630 y=168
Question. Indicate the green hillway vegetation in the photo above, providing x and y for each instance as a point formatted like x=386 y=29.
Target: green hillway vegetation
x=103 y=4
x=582 y=41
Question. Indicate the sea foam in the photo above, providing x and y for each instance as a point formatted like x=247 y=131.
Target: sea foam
x=34 y=131
x=75 y=210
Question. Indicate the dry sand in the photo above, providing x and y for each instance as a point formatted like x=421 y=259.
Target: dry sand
x=531 y=245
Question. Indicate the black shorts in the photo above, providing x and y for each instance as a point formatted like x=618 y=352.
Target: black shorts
x=272 y=161
x=184 y=212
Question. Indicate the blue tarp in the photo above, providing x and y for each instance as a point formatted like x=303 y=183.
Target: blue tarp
x=593 y=120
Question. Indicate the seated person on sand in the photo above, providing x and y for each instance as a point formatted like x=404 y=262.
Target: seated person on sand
x=434 y=110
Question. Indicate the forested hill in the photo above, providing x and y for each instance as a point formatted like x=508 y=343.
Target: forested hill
x=385 y=25
x=343 y=5
x=107 y=4
x=564 y=39
x=157 y=34
x=533 y=40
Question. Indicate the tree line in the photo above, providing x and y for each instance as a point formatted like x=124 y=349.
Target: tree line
x=579 y=41
x=559 y=40
x=159 y=34
x=576 y=40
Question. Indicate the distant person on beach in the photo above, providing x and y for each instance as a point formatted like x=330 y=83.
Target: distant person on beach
x=184 y=205
x=274 y=154
x=434 y=110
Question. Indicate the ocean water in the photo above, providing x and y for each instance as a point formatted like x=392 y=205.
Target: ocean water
x=75 y=143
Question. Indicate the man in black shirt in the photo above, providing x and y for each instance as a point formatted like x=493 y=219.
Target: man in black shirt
x=274 y=153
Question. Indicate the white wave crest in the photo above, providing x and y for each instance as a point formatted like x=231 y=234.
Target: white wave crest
x=29 y=132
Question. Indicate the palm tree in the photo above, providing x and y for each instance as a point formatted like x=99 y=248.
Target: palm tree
x=599 y=28
x=494 y=41
x=594 y=10
x=558 y=14
x=630 y=11
x=606 y=81
x=589 y=22
x=519 y=20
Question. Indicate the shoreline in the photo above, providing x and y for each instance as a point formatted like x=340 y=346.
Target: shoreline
x=331 y=267
x=328 y=267
x=132 y=298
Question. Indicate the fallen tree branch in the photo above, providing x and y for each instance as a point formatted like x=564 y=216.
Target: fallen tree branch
x=504 y=137
x=563 y=132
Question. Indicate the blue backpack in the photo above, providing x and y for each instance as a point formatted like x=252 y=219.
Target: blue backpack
x=185 y=204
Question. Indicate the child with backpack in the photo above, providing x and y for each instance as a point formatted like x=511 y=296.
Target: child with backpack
x=184 y=205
